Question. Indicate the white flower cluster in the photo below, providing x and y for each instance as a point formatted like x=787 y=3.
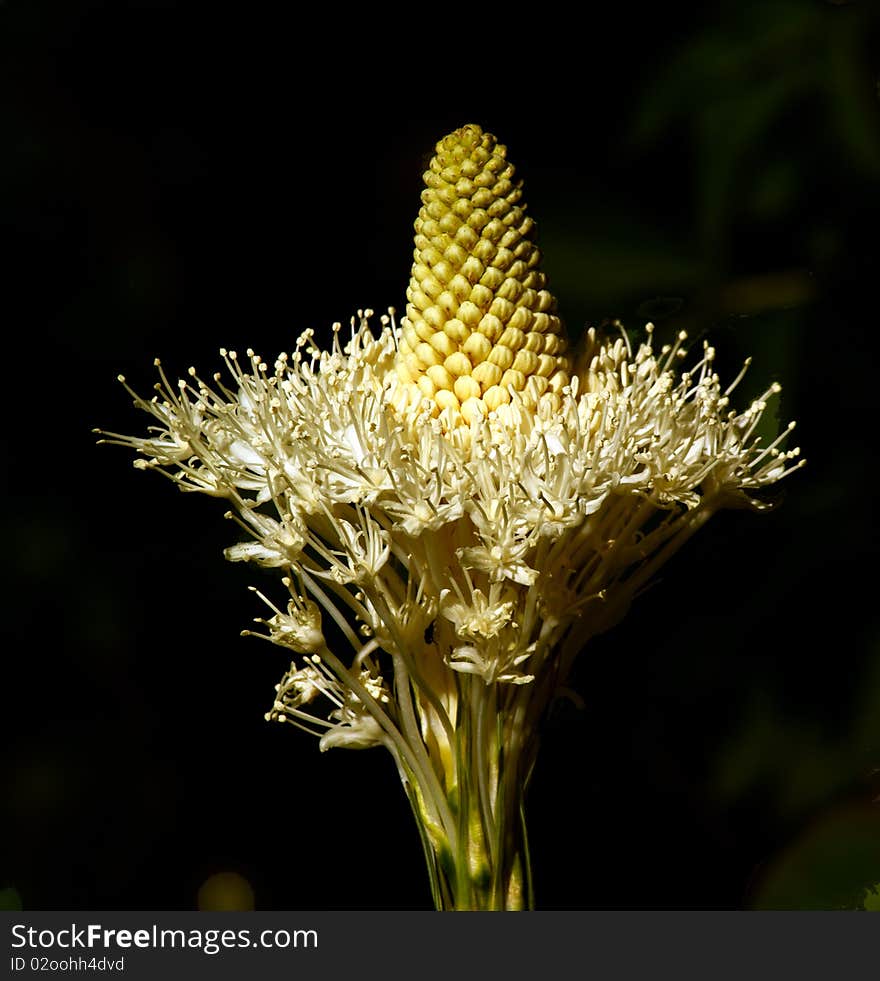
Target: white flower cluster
x=493 y=548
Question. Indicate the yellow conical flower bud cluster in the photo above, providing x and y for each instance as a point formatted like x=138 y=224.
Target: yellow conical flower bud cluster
x=479 y=322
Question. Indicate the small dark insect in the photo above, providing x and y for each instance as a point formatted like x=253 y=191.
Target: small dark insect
x=429 y=632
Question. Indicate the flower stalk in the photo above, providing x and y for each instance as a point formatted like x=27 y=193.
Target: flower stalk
x=467 y=499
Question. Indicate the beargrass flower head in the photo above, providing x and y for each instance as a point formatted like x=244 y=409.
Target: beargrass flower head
x=466 y=498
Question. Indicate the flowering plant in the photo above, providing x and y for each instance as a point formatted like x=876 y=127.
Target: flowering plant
x=469 y=500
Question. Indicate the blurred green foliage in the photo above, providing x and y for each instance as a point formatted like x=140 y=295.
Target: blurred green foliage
x=745 y=90
x=871 y=899
x=765 y=116
x=798 y=762
x=778 y=104
x=10 y=899
x=715 y=170
x=769 y=113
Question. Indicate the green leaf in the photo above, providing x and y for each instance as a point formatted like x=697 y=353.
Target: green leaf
x=872 y=898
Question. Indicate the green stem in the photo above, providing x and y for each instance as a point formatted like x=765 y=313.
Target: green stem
x=490 y=862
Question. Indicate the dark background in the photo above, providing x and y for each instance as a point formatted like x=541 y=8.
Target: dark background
x=175 y=177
